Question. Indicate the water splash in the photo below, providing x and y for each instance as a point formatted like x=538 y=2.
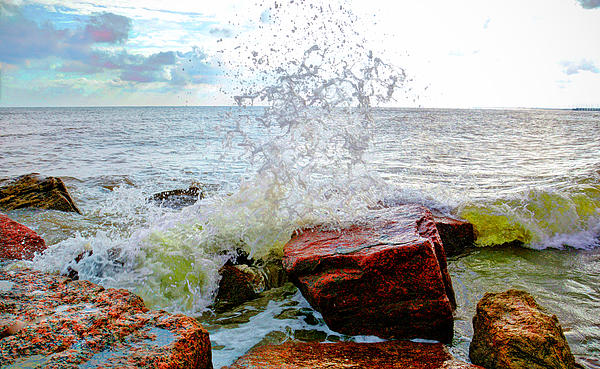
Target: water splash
x=317 y=82
x=539 y=219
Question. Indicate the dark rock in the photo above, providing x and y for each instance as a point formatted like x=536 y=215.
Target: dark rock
x=390 y=354
x=457 y=235
x=388 y=278
x=18 y=242
x=53 y=322
x=243 y=278
x=512 y=331
x=183 y=197
x=35 y=191
x=238 y=284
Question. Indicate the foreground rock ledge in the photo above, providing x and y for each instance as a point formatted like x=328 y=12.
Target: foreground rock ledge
x=51 y=321
x=36 y=191
x=388 y=278
x=512 y=331
x=391 y=354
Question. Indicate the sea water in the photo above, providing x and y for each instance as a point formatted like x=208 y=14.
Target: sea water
x=315 y=149
x=526 y=175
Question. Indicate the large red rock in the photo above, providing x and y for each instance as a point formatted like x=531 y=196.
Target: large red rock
x=17 y=241
x=388 y=278
x=343 y=355
x=55 y=322
x=511 y=331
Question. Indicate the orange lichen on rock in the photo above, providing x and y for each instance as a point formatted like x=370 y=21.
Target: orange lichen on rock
x=77 y=324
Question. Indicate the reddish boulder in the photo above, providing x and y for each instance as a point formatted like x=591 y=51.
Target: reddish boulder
x=52 y=321
x=390 y=354
x=17 y=241
x=457 y=235
x=388 y=278
x=512 y=331
x=36 y=191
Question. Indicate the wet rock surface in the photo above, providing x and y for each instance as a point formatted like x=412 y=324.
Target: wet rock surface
x=244 y=278
x=457 y=235
x=388 y=278
x=238 y=284
x=512 y=331
x=36 y=191
x=53 y=322
x=18 y=242
x=390 y=354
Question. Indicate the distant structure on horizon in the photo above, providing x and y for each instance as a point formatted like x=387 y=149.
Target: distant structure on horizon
x=586 y=109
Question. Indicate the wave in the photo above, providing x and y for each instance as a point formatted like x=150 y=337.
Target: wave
x=539 y=219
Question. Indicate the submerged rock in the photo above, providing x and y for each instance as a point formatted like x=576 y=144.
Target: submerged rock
x=512 y=331
x=388 y=278
x=238 y=284
x=390 y=354
x=244 y=280
x=53 y=322
x=18 y=242
x=457 y=235
x=36 y=191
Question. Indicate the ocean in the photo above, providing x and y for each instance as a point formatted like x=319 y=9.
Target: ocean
x=530 y=176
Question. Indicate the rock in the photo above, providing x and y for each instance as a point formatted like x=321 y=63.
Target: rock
x=180 y=198
x=390 y=354
x=457 y=235
x=238 y=284
x=18 y=242
x=243 y=278
x=388 y=278
x=51 y=321
x=35 y=191
x=512 y=331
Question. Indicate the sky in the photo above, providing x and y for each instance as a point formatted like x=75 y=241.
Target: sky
x=458 y=54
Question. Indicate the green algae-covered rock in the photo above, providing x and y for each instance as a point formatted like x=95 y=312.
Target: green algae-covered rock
x=36 y=191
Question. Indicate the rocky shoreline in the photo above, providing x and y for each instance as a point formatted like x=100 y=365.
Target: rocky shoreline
x=388 y=278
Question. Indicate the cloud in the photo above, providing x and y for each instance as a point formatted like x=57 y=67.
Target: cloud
x=222 y=32
x=571 y=67
x=22 y=38
x=96 y=45
x=108 y=27
x=589 y=4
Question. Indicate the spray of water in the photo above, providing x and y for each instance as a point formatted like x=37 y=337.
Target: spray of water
x=317 y=82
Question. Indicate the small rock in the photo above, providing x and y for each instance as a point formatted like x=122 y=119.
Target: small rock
x=344 y=355
x=388 y=278
x=18 y=242
x=457 y=235
x=238 y=284
x=180 y=198
x=36 y=191
x=512 y=331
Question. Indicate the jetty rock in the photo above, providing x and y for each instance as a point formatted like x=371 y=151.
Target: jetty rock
x=51 y=321
x=343 y=355
x=18 y=242
x=36 y=191
x=457 y=235
x=388 y=278
x=179 y=198
x=512 y=331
